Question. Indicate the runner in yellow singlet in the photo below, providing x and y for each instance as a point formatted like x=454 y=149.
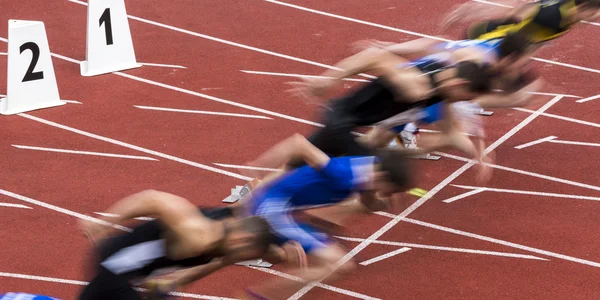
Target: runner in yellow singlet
x=542 y=20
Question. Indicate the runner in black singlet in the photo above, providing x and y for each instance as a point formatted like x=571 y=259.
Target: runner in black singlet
x=397 y=96
x=181 y=237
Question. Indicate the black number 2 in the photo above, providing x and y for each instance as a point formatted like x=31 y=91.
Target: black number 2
x=35 y=50
x=105 y=18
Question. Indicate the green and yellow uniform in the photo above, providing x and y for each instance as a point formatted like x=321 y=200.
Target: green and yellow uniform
x=544 y=20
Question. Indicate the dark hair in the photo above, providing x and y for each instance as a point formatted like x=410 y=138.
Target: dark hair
x=515 y=43
x=476 y=75
x=260 y=229
x=395 y=164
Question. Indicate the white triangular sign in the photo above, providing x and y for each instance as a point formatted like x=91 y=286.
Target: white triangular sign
x=109 y=43
x=31 y=83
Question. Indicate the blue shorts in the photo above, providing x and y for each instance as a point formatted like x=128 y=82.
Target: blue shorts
x=278 y=213
x=433 y=114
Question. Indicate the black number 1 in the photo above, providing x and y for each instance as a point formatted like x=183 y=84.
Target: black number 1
x=105 y=18
x=35 y=51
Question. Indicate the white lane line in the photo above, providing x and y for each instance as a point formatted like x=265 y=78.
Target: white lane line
x=430 y=194
x=575 y=143
x=535 y=142
x=500 y=242
x=202 y=112
x=181 y=90
x=553 y=139
x=508 y=6
x=298 y=75
x=71 y=101
x=523 y=124
x=60 y=210
x=437 y=131
x=84 y=152
x=566 y=65
x=591 y=23
x=510 y=191
x=163 y=66
x=560 y=117
x=450 y=249
x=518 y=171
x=412 y=32
x=220 y=100
x=553 y=94
x=464 y=195
x=356 y=20
x=130 y=146
x=113 y=215
x=77 y=282
x=123 y=228
x=246 y=167
x=208 y=37
x=14 y=205
x=384 y=256
x=493 y=3
x=588 y=99
x=3 y=53
x=321 y=285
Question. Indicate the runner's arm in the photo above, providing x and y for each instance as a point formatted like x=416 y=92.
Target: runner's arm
x=363 y=61
x=419 y=47
x=294 y=147
x=171 y=209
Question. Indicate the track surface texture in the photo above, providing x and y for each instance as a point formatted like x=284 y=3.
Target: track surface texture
x=531 y=234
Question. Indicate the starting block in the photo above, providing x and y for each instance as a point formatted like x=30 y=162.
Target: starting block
x=31 y=83
x=240 y=192
x=235 y=195
x=427 y=157
x=396 y=142
x=485 y=113
x=255 y=263
x=109 y=45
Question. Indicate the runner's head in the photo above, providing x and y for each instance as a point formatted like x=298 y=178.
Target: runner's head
x=465 y=81
x=247 y=238
x=393 y=172
x=513 y=52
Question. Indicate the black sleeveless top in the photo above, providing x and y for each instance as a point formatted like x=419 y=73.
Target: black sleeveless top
x=143 y=251
x=378 y=100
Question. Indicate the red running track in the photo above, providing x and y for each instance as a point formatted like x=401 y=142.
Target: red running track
x=491 y=245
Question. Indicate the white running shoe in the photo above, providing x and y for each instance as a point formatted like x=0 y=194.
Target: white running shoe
x=409 y=139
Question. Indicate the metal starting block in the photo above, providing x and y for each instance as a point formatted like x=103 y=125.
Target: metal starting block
x=235 y=195
x=255 y=263
x=427 y=157
x=238 y=193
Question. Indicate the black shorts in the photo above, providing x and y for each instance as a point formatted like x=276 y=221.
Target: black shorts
x=374 y=102
x=123 y=259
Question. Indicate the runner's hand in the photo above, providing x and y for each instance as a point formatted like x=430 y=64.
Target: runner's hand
x=484 y=171
x=159 y=288
x=92 y=230
x=309 y=89
x=295 y=254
